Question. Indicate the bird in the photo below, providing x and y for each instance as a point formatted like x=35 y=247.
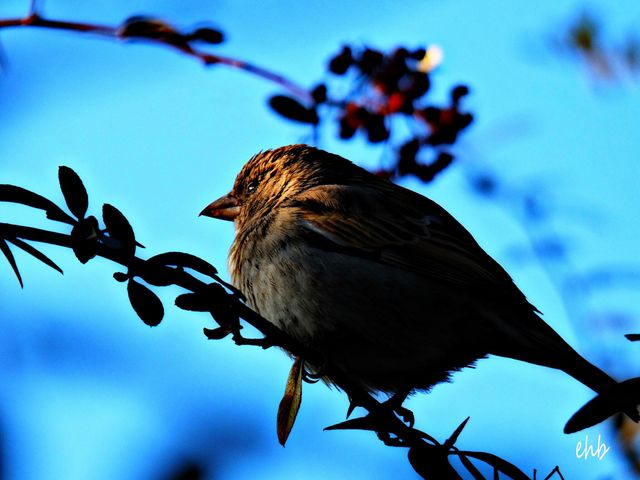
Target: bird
x=381 y=281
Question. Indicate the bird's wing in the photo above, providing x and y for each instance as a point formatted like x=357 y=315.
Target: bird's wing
x=397 y=227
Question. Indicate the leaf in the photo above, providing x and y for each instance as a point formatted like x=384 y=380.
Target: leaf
x=121 y=277
x=119 y=228
x=216 y=333
x=622 y=397
x=431 y=461
x=13 y=194
x=208 y=35
x=471 y=468
x=498 y=464
x=85 y=239
x=75 y=195
x=290 y=108
x=454 y=436
x=194 y=302
x=35 y=253
x=360 y=423
x=633 y=337
x=146 y=303
x=290 y=403
x=185 y=260
x=11 y=259
x=140 y=26
x=155 y=277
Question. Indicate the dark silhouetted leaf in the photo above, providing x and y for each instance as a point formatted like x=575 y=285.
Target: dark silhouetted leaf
x=458 y=92
x=10 y=258
x=146 y=303
x=194 y=302
x=432 y=462
x=121 y=277
x=208 y=35
x=35 y=253
x=622 y=397
x=216 y=333
x=471 y=468
x=13 y=194
x=75 y=195
x=185 y=260
x=498 y=464
x=454 y=436
x=341 y=62
x=140 y=26
x=319 y=93
x=85 y=239
x=290 y=108
x=290 y=403
x=158 y=277
x=360 y=423
x=633 y=337
x=119 y=228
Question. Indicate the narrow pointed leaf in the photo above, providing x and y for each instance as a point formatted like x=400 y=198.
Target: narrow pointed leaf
x=10 y=258
x=35 y=253
x=13 y=194
x=185 y=260
x=454 y=436
x=622 y=397
x=119 y=228
x=146 y=303
x=509 y=469
x=290 y=403
x=360 y=423
x=75 y=195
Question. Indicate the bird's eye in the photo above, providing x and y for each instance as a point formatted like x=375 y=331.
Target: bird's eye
x=251 y=187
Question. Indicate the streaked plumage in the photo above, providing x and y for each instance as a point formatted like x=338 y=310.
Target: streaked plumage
x=379 y=279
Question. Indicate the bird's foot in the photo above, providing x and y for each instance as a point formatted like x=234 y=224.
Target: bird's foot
x=395 y=404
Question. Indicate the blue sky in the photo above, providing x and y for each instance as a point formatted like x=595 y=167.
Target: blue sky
x=89 y=391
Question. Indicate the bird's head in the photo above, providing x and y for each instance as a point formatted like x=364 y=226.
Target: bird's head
x=273 y=177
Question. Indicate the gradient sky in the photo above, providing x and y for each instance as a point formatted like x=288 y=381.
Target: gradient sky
x=89 y=391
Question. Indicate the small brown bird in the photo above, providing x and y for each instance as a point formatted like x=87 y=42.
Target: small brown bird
x=380 y=280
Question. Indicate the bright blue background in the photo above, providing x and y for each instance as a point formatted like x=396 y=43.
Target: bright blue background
x=88 y=391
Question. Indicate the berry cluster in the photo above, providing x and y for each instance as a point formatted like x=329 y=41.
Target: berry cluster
x=383 y=88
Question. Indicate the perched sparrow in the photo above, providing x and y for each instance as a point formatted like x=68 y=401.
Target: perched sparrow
x=380 y=280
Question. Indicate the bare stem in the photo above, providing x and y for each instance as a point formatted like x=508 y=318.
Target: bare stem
x=35 y=20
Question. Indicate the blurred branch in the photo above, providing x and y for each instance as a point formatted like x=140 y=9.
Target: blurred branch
x=160 y=33
x=583 y=38
x=383 y=88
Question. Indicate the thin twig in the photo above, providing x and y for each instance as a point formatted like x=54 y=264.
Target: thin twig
x=37 y=21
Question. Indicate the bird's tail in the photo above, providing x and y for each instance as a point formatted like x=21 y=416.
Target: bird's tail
x=538 y=343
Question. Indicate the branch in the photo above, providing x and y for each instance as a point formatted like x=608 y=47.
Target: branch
x=162 y=34
x=117 y=242
x=384 y=88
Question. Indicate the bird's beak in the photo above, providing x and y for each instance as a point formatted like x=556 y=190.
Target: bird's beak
x=225 y=208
